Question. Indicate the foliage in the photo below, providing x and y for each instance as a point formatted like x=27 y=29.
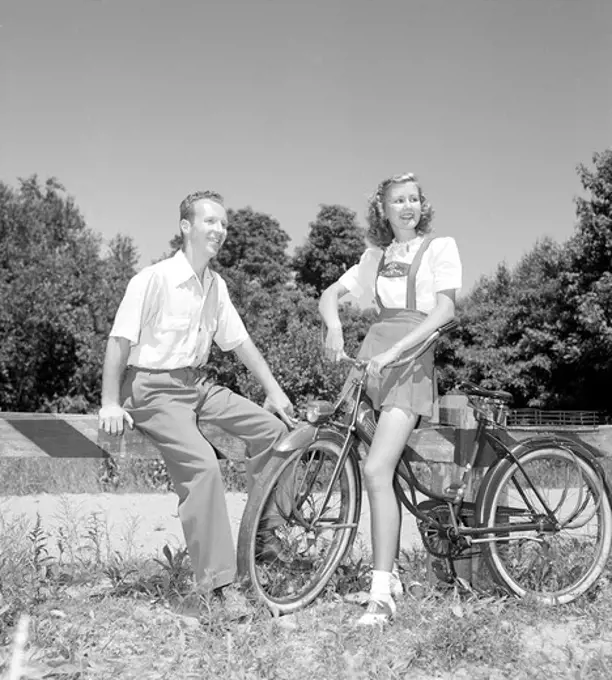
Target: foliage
x=59 y=298
x=284 y=323
x=586 y=314
x=543 y=330
x=509 y=326
x=335 y=243
x=256 y=246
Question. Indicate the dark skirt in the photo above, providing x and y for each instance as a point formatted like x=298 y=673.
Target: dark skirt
x=410 y=387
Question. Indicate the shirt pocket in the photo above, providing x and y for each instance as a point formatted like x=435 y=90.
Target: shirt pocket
x=173 y=329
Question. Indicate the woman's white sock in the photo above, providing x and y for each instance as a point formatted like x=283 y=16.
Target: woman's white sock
x=381 y=585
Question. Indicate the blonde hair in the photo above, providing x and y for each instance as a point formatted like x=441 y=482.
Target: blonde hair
x=379 y=230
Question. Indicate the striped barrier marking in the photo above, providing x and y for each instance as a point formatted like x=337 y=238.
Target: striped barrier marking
x=66 y=435
x=63 y=435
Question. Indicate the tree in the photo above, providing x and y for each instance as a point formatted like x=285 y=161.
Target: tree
x=288 y=330
x=586 y=342
x=59 y=297
x=543 y=330
x=510 y=328
x=256 y=245
x=335 y=243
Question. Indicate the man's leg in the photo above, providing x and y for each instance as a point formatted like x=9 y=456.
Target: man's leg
x=240 y=417
x=163 y=407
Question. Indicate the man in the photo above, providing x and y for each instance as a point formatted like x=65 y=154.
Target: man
x=162 y=334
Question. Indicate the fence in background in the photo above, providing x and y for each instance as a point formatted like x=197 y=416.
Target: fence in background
x=533 y=417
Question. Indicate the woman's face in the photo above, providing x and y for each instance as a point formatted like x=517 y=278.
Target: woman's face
x=402 y=206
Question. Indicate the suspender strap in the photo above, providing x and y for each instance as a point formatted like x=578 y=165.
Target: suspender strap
x=412 y=273
x=381 y=264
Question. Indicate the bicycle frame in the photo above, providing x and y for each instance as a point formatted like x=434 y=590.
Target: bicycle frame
x=359 y=425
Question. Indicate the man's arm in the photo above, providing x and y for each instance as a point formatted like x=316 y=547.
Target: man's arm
x=112 y=415
x=276 y=399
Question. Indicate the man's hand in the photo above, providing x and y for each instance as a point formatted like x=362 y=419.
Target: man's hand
x=278 y=402
x=110 y=419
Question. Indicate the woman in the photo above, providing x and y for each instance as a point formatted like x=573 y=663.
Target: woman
x=413 y=277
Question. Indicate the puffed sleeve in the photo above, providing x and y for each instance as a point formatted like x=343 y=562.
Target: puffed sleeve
x=136 y=306
x=230 y=332
x=360 y=278
x=446 y=264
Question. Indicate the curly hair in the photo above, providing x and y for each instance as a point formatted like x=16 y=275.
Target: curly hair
x=186 y=207
x=379 y=231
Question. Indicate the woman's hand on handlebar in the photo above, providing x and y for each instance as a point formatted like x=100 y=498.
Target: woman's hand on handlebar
x=334 y=344
x=380 y=361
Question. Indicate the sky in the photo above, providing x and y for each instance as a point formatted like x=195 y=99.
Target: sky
x=284 y=105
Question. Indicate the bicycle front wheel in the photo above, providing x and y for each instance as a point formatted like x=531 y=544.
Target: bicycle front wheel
x=309 y=529
x=557 y=561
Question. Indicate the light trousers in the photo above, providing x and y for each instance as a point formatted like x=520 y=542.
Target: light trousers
x=166 y=406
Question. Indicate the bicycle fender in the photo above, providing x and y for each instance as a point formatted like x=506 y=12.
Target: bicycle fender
x=302 y=436
x=576 y=445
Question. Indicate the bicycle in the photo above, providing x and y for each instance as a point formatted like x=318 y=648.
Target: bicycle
x=542 y=512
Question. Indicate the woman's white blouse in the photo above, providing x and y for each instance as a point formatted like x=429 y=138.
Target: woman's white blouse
x=440 y=270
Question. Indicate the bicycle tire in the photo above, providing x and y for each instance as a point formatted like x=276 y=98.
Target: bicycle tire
x=309 y=558
x=556 y=566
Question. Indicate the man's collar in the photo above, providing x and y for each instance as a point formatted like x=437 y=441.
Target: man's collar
x=181 y=270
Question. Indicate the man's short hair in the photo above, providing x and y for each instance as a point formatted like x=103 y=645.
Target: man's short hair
x=186 y=208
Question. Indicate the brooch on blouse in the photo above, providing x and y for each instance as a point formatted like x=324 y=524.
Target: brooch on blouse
x=394 y=269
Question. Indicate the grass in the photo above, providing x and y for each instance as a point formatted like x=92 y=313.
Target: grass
x=99 y=614
x=87 y=611
x=25 y=476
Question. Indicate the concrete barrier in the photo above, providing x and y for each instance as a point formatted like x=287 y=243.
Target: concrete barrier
x=64 y=435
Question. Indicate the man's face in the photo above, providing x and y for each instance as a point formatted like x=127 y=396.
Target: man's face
x=207 y=230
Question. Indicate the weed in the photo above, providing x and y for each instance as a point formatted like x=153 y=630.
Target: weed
x=176 y=571
x=40 y=563
x=26 y=476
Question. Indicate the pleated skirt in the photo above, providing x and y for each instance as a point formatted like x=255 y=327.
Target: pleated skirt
x=410 y=387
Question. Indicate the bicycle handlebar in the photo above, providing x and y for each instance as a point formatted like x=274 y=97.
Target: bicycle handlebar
x=413 y=354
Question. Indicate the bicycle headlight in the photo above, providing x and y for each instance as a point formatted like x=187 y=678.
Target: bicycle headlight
x=318 y=411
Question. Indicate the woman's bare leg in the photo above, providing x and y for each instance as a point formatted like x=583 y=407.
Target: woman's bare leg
x=394 y=428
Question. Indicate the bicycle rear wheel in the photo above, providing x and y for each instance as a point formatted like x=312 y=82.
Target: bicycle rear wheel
x=312 y=536
x=554 y=565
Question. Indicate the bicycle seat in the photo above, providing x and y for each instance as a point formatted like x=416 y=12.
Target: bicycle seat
x=477 y=391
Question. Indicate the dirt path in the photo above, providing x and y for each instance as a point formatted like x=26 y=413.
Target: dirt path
x=134 y=524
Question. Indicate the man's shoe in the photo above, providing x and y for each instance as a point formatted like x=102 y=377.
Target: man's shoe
x=269 y=548
x=233 y=602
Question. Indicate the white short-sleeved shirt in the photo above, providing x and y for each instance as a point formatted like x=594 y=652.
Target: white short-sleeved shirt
x=171 y=319
x=440 y=270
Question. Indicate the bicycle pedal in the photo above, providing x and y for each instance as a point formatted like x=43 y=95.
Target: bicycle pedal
x=442 y=571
